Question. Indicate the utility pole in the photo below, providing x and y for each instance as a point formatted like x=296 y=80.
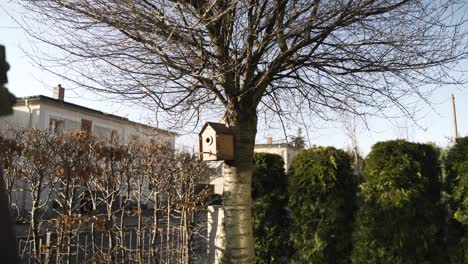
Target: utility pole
x=454 y=119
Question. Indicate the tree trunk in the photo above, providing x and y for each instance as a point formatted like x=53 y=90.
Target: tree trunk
x=237 y=200
x=34 y=224
x=168 y=234
x=122 y=233
x=154 y=244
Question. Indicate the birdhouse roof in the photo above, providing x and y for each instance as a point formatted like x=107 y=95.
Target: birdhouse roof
x=218 y=127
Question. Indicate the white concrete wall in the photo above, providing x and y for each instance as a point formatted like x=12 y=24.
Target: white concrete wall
x=22 y=117
x=124 y=129
x=286 y=153
x=146 y=133
x=216 y=239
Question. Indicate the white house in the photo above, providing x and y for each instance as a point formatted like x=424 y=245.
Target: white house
x=43 y=112
x=286 y=151
x=54 y=113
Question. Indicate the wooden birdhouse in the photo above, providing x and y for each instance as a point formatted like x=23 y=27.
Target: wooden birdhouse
x=216 y=142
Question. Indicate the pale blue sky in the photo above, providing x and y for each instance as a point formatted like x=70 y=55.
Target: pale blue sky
x=434 y=125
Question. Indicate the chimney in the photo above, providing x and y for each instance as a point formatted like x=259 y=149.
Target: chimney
x=59 y=93
x=269 y=140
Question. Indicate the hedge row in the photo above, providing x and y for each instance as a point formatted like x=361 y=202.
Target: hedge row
x=269 y=209
x=400 y=215
x=322 y=199
x=73 y=184
x=456 y=188
x=400 y=218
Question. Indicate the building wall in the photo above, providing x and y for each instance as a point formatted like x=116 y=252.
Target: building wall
x=287 y=153
x=41 y=114
x=23 y=116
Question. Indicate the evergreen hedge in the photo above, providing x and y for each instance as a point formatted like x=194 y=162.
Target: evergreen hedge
x=269 y=208
x=322 y=191
x=399 y=218
x=456 y=186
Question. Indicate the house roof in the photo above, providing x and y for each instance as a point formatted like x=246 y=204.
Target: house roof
x=218 y=127
x=279 y=145
x=20 y=101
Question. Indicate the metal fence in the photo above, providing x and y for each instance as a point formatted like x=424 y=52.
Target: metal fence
x=171 y=243
x=135 y=247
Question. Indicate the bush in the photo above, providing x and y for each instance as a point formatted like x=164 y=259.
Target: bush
x=400 y=218
x=456 y=186
x=269 y=214
x=73 y=183
x=322 y=192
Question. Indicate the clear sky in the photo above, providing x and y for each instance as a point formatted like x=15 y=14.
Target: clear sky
x=433 y=125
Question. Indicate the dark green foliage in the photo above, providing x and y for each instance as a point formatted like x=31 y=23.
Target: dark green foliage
x=322 y=191
x=269 y=214
x=298 y=140
x=400 y=217
x=456 y=186
x=7 y=100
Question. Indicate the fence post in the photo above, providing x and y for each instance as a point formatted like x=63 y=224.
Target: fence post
x=143 y=245
x=47 y=253
x=86 y=248
x=77 y=246
x=39 y=251
x=130 y=248
x=101 y=249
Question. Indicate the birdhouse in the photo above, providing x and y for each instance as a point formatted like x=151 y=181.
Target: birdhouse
x=216 y=142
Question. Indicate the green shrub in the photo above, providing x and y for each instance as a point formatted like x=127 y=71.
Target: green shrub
x=399 y=218
x=456 y=186
x=269 y=208
x=322 y=191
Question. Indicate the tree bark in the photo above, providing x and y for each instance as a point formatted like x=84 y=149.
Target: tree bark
x=237 y=200
x=36 y=198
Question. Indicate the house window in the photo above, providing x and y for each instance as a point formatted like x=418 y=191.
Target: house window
x=101 y=132
x=56 y=125
x=86 y=125
x=71 y=125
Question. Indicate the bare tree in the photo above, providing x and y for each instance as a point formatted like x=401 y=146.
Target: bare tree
x=35 y=173
x=12 y=152
x=72 y=164
x=73 y=183
x=155 y=162
x=113 y=162
x=187 y=58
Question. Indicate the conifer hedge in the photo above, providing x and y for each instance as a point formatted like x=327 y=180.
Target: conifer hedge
x=269 y=209
x=322 y=191
x=456 y=186
x=399 y=218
